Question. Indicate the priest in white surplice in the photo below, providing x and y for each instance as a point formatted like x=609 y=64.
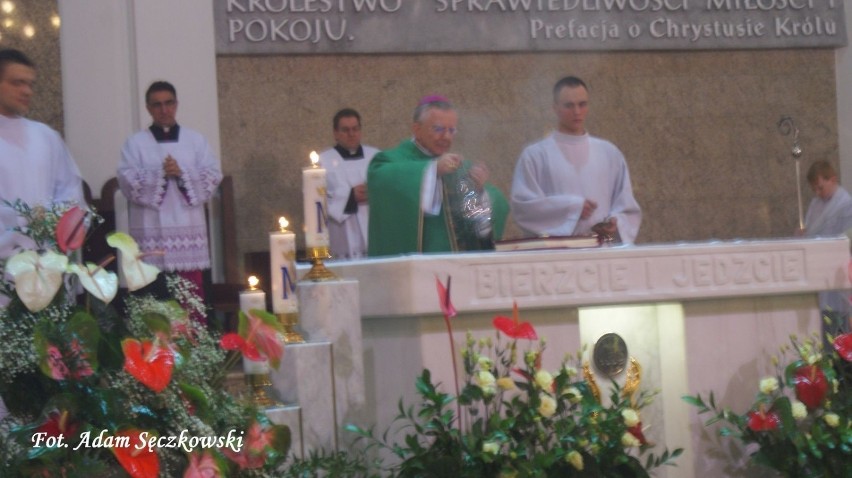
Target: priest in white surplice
x=35 y=164
x=346 y=181
x=168 y=172
x=572 y=183
x=829 y=214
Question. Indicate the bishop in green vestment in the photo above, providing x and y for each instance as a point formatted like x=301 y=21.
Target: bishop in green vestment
x=412 y=186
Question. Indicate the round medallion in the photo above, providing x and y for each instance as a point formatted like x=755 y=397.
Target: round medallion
x=610 y=354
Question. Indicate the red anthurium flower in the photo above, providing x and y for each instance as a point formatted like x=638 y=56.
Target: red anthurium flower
x=59 y=423
x=202 y=465
x=233 y=341
x=513 y=327
x=843 y=346
x=253 y=454
x=636 y=430
x=811 y=385
x=148 y=362
x=761 y=421
x=138 y=463
x=70 y=230
x=265 y=338
x=444 y=298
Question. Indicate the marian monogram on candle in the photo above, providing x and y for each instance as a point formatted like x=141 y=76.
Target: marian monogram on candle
x=282 y=254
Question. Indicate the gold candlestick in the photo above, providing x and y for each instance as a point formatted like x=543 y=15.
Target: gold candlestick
x=319 y=272
x=259 y=384
x=289 y=321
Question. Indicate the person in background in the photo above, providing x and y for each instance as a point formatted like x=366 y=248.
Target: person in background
x=572 y=183
x=168 y=173
x=829 y=214
x=346 y=181
x=36 y=166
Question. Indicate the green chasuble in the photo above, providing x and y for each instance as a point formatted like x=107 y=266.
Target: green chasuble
x=397 y=224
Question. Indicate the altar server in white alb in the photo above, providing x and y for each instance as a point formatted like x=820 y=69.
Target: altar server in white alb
x=168 y=172
x=346 y=182
x=572 y=183
x=35 y=164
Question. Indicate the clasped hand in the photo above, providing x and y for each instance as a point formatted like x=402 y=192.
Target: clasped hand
x=171 y=168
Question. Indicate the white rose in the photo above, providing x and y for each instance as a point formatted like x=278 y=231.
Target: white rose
x=631 y=417
x=484 y=362
x=800 y=411
x=576 y=459
x=544 y=380
x=831 y=419
x=573 y=394
x=768 y=385
x=548 y=405
x=628 y=440
x=486 y=381
x=506 y=383
x=490 y=447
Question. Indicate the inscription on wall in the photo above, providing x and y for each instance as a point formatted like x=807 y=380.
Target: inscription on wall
x=387 y=26
x=636 y=278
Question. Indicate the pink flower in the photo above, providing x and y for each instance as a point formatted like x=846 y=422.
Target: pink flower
x=59 y=369
x=253 y=454
x=202 y=465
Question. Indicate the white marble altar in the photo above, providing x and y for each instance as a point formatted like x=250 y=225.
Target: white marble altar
x=698 y=317
x=321 y=381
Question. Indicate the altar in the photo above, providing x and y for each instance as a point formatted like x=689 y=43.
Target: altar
x=698 y=317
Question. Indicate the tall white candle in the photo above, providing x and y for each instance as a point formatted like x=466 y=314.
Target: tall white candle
x=282 y=259
x=252 y=298
x=314 y=190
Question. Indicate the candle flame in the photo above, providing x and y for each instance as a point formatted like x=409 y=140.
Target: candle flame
x=253 y=281
x=283 y=223
x=314 y=159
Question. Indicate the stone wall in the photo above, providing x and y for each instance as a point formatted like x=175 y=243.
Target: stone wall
x=698 y=128
x=40 y=42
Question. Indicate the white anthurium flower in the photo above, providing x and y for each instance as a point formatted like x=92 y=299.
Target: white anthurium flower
x=138 y=274
x=100 y=282
x=37 y=277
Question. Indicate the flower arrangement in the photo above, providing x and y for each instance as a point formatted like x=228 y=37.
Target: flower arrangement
x=800 y=418
x=512 y=418
x=97 y=388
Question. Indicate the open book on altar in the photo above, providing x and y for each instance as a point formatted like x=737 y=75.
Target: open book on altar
x=547 y=242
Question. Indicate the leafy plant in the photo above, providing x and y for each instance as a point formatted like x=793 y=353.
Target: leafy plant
x=514 y=419
x=800 y=418
x=97 y=387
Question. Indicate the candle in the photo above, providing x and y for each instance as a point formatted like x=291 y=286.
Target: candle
x=282 y=255
x=255 y=367
x=313 y=189
x=253 y=298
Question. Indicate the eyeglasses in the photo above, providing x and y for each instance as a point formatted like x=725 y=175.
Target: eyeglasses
x=347 y=130
x=163 y=104
x=440 y=130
